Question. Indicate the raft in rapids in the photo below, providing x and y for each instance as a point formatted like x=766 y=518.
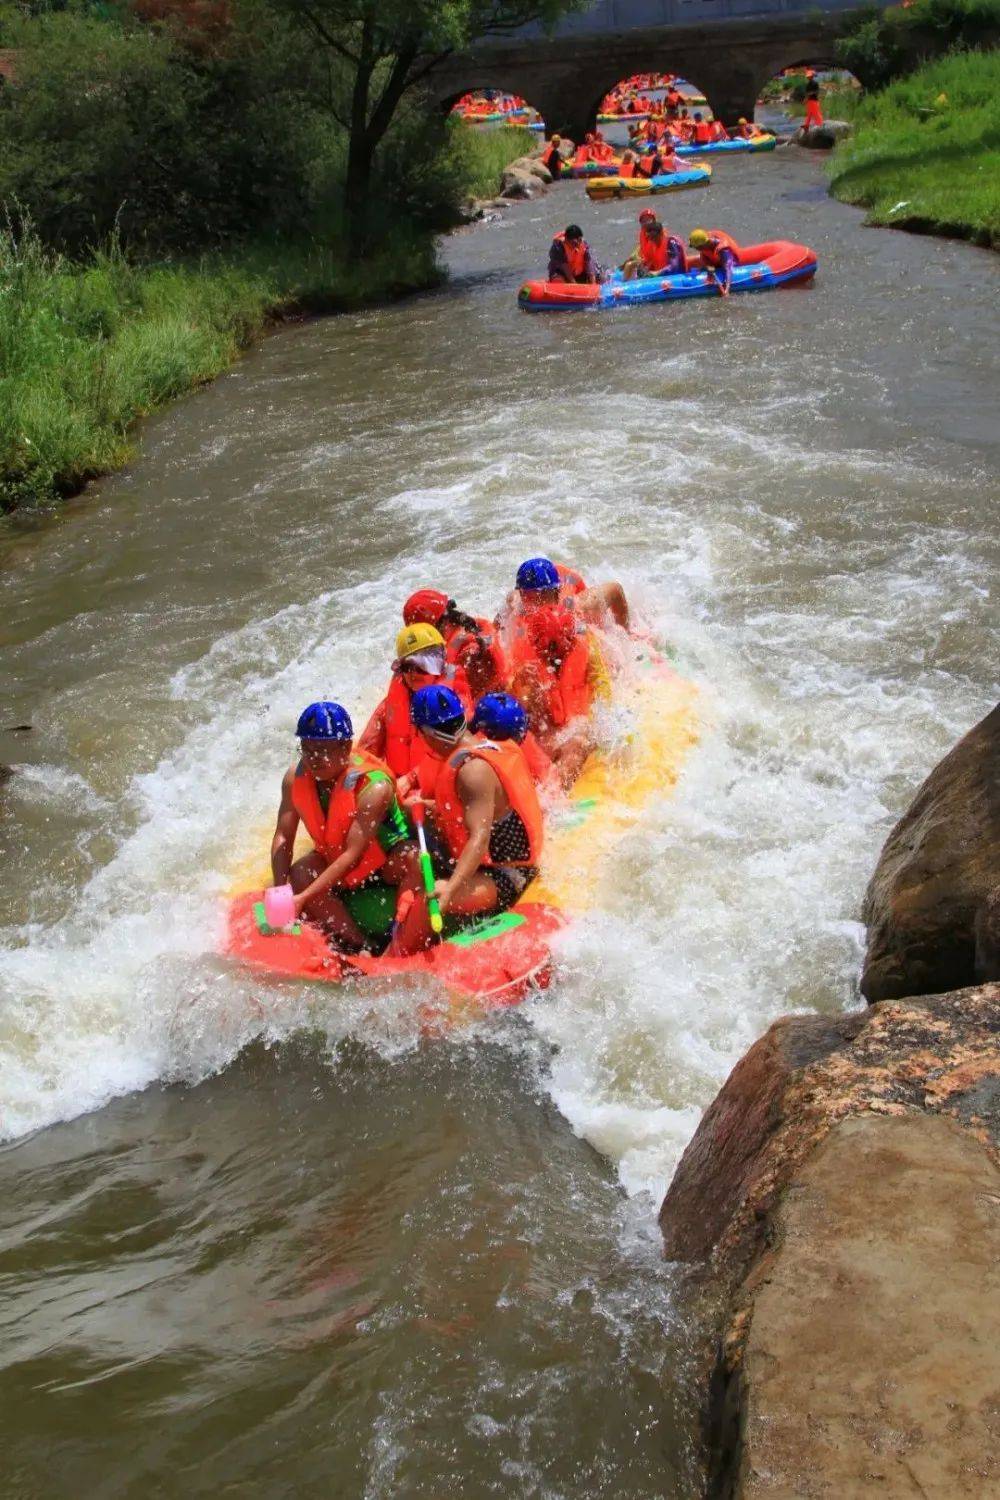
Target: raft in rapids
x=495 y=961
x=761 y=268
x=604 y=188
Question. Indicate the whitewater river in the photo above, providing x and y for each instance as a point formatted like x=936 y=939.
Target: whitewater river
x=266 y=1241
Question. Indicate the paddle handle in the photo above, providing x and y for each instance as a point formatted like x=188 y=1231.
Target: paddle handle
x=427 y=870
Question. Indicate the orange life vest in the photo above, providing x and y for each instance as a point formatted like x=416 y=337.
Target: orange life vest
x=507 y=760
x=702 y=132
x=656 y=253
x=459 y=642
x=566 y=688
x=627 y=169
x=646 y=163
x=717 y=241
x=404 y=744
x=329 y=831
x=576 y=254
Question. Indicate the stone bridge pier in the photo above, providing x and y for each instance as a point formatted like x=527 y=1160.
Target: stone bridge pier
x=565 y=78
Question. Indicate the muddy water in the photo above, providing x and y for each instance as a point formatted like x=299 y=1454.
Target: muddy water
x=267 y=1241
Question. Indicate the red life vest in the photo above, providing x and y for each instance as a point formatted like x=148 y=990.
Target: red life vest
x=655 y=253
x=702 y=132
x=627 y=169
x=461 y=644
x=576 y=254
x=403 y=744
x=646 y=163
x=718 y=240
x=329 y=832
x=507 y=760
x=566 y=688
x=552 y=160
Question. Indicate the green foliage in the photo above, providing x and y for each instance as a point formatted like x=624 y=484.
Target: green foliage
x=880 y=45
x=86 y=348
x=926 y=150
x=116 y=125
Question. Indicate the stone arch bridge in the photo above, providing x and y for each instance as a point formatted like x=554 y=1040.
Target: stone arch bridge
x=728 y=48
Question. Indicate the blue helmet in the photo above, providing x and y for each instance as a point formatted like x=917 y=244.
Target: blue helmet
x=324 y=721
x=536 y=574
x=500 y=716
x=436 y=707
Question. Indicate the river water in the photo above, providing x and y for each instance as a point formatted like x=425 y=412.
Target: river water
x=257 y=1240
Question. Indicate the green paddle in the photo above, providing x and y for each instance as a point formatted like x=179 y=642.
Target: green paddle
x=427 y=869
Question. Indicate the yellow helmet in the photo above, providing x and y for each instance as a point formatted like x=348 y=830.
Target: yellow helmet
x=742 y=120
x=698 y=238
x=416 y=638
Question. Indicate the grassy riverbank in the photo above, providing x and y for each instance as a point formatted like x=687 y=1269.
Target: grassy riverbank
x=88 y=346
x=926 y=152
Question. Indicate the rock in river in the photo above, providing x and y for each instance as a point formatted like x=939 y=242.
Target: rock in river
x=932 y=904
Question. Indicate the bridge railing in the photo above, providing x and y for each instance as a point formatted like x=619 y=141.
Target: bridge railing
x=628 y=15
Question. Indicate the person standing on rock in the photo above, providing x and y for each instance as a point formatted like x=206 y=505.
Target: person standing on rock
x=552 y=158
x=814 y=115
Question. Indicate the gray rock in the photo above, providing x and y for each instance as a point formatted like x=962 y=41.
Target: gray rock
x=824 y=137
x=518 y=183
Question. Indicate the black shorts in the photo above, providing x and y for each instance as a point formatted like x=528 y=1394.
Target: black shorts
x=511 y=882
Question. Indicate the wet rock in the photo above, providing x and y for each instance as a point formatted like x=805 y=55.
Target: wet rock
x=518 y=183
x=537 y=169
x=938 y=1055
x=860 y=1356
x=928 y=905
x=824 y=137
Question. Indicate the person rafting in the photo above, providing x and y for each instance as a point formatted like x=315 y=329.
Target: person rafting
x=471 y=642
x=744 y=130
x=500 y=716
x=486 y=817
x=346 y=798
x=718 y=131
x=541 y=582
x=627 y=166
x=570 y=258
x=702 y=132
x=558 y=673
x=658 y=253
x=718 y=257
x=421 y=660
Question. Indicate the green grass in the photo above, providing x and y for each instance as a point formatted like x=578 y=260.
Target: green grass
x=86 y=349
x=484 y=153
x=923 y=163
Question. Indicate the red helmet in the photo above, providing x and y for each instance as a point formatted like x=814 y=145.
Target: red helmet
x=425 y=607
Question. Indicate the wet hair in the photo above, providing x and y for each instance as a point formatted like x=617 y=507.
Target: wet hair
x=573 y=232
x=454 y=616
x=697 y=114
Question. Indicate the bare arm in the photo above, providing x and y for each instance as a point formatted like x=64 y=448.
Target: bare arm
x=283 y=843
x=476 y=783
x=373 y=804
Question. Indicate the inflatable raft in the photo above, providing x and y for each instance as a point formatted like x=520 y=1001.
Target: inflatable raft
x=606 y=119
x=587 y=169
x=761 y=268
x=603 y=188
x=495 y=961
x=730 y=148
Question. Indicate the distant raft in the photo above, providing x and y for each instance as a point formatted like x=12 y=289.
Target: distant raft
x=760 y=269
x=608 y=119
x=603 y=188
x=589 y=169
x=730 y=148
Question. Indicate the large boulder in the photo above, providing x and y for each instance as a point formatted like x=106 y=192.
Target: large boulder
x=940 y=1055
x=824 y=137
x=841 y=1198
x=861 y=1355
x=933 y=903
x=517 y=182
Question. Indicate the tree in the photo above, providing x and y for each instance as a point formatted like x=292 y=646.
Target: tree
x=385 y=50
